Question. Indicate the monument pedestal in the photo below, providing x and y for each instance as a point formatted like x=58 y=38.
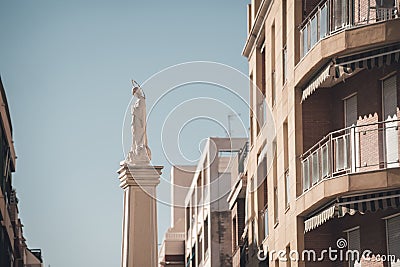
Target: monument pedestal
x=139 y=237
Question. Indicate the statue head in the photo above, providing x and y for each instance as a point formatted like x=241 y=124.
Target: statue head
x=137 y=90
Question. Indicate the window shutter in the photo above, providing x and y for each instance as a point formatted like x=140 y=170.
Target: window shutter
x=350 y=111
x=393 y=238
x=390 y=113
x=390 y=98
x=353 y=237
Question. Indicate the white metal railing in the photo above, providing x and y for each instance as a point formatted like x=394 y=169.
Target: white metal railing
x=330 y=16
x=354 y=149
x=175 y=236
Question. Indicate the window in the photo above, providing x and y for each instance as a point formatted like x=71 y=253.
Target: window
x=205 y=237
x=262 y=180
x=284 y=40
x=389 y=106
x=265 y=187
x=194 y=263
x=199 y=248
x=353 y=241
x=263 y=69
x=284 y=64
x=261 y=112
x=285 y=145
x=266 y=228
x=273 y=82
x=350 y=111
x=275 y=179
x=253 y=231
x=252 y=134
x=199 y=194
x=323 y=31
x=304 y=34
x=204 y=174
x=286 y=162
x=234 y=234
x=340 y=14
x=188 y=258
x=276 y=204
x=393 y=238
x=287 y=189
x=199 y=189
x=187 y=220
x=284 y=22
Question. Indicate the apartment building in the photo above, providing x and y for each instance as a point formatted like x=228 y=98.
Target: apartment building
x=172 y=250
x=329 y=71
x=237 y=202
x=207 y=214
x=13 y=249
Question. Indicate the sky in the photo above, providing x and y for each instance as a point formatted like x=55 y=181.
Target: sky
x=66 y=67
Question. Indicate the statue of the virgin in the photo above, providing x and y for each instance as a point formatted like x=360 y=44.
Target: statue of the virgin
x=140 y=152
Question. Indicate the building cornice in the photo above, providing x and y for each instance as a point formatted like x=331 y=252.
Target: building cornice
x=255 y=32
x=139 y=176
x=6 y=118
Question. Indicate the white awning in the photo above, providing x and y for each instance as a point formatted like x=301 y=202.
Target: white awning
x=319 y=219
x=317 y=82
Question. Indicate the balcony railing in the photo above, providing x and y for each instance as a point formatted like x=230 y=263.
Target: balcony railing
x=354 y=149
x=331 y=16
x=179 y=236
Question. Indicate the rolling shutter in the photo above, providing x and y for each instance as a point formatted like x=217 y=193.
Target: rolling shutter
x=393 y=238
x=350 y=106
x=353 y=237
x=389 y=95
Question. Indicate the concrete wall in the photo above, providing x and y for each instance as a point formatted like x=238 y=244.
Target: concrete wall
x=181 y=179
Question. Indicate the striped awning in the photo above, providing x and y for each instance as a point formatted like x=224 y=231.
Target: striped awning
x=343 y=67
x=352 y=205
x=367 y=60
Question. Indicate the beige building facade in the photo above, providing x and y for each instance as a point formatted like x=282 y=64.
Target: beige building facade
x=330 y=73
x=200 y=232
x=208 y=217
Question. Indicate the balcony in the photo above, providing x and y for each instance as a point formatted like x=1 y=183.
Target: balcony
x=332 y=16
x=175 y=236
x=356 y=149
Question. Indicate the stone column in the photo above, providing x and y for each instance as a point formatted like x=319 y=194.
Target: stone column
x=139 y=237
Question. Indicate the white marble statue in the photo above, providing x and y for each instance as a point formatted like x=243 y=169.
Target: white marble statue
x=140 y=152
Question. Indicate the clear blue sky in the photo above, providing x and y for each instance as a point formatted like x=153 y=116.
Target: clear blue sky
x=66 y=68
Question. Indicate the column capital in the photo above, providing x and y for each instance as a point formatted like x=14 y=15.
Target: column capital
x=139 y=175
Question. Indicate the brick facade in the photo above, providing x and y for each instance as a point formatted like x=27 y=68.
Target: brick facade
x=221 y=238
